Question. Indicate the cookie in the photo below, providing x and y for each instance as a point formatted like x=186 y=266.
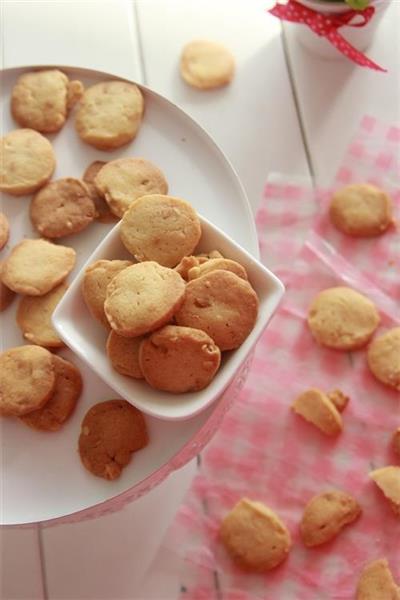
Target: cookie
x=160 y=228
x=206 y=65
x=27 y=379
x=103 y=213
x=4 y=230
x=111 y=431
x=27 y=162
x=376 y=582
x=221 y=304
x=124 y=180
x=342 y=319
x=6 y=295
x=254 y=536
x=325 y=516
x=123 y=353
x=40 y=100
x=316 y=408
x=214 y=264
x=383 y=357
x=361 y=210
x=179 y=359
x=59 y=408
x=110 y=114
x=62 y=207
x=338 y=399
x=185 y=264
x=35 y=267
x=388 y=481
x=34 y=317
x=94 y=285
x=143 y=298
x=396 y=442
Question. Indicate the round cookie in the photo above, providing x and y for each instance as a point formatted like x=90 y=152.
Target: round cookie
x=4 y=230
x=35 y=267
x=361 y=210
x=40 y=99
x=6 y=295
x=62 y=207
x=123 y=353
x=59 y=408
x=34 y=317
x=94 y=285
x=142 y=298
x=221 y=304
x=124 y=180
x=214 y=264
x=383 y=358
x=160 y=228
x=206 y=65
x=27 y=379
x=179 y=359
x=110 y=114
x=111 y=431
x=254 y=536
x=27 y=162
x=102 y=210
x=342 y=319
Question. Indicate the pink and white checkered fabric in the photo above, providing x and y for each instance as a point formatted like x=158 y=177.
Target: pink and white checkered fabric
x=265 y=452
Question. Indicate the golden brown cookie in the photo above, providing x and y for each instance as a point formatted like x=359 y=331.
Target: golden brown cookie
x=123 y=353
x=27 y=379
x=396 y=442
x=316 y=408
x=34 y=317
x=62 y=207
x=184 y=266
x=34 y=267
x=254 y=536
x=206 y=65
x=383 y=358
x=41 y=99
x=160 y=228
x=4 y=230
x=361 y=210
x=388 y=481
x=6 y=295
x=110 y=114
x=338 y=399
x=143 y=298
x=94 y=285
x=59 y=408
x=103 y=213
x=376 y=582
x=27 y=162
x=342 y=319
x=325 y=516
x=221 y=304
x=214 y=264
x=111 y=431
x=179 y=359
x=124 y=180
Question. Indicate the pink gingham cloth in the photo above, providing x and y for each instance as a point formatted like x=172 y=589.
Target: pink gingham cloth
x=264 y=451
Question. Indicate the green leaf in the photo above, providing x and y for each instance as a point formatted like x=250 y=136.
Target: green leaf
x=357 y=4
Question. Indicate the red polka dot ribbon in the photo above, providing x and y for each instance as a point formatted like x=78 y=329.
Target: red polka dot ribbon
x=327 y=26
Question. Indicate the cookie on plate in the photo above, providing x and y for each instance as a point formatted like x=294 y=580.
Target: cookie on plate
x=179 y=359
x=221 y=304
x=60 y=406
x=388 y=481
x=27 y=162
x=94 y=285
x=103 y=213
x=123 y=353
x=142 y=298
x=111 y=431
x=254 y=536
x=160 y=228
x=383 y=358
x=4 y=230
x=214 y=264
x=316 y=408
x=61 y=208
x=342 y=319
x=34 y=317
x=41 y=100
x=110 y=114
x=34 y=267
x=361 y=210
x=206 y=65
x=6 y=295
x=376 y=582
x=27 y=379
x=124 y=180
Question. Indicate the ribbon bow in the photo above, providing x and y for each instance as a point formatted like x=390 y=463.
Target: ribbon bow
x=327 y=26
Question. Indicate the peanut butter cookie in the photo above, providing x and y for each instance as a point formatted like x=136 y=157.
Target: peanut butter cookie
x=383 y=358
x=388 y=481
x=376 y=582
x=316 y=408
x=123 y=353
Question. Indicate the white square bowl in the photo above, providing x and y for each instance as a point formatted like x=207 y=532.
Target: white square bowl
x=87 y=337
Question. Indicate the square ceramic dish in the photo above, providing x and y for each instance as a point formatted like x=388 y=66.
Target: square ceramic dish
x=87 y=337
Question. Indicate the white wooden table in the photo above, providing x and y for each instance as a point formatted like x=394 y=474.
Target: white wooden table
x=286 y=111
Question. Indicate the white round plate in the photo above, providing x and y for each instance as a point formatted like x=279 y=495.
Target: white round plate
x=42 y=477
